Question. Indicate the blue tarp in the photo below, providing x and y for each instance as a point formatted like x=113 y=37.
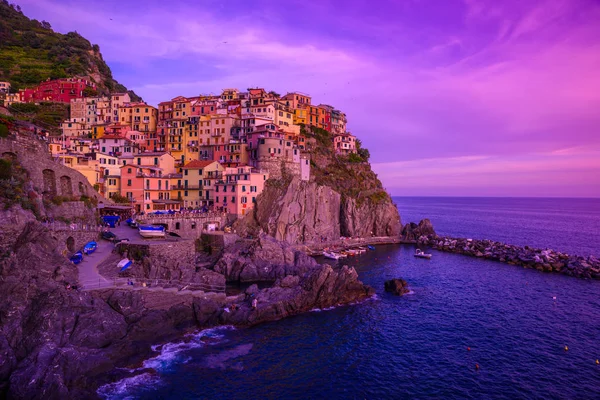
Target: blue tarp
x=111 y=220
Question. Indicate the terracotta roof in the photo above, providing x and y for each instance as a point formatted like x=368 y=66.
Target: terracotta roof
x=197 y=164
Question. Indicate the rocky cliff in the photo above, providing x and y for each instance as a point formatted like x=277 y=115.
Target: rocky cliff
x=344 y=197
x=307 y=212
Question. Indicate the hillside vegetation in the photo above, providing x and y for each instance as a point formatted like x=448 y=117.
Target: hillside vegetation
x=31 y=52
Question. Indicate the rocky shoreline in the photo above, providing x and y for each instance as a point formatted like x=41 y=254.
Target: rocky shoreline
x=545 y=260
x=56 y=342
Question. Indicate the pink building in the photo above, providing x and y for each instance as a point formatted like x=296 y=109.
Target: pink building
x=344 y=143
x=236 y=193
x=147 y=188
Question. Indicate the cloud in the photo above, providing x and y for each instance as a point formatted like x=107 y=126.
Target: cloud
x=469 y=84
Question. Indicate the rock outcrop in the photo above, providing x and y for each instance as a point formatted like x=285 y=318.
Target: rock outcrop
x=396 y=286
x=57 y=342
x=369 y=218
x=412 y=231
x=306 y=212
x=262 y=259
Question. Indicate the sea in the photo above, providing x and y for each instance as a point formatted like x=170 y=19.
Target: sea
x=469 y=329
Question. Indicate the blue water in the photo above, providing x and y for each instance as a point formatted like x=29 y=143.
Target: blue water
x=570 y=225
x=413 y=346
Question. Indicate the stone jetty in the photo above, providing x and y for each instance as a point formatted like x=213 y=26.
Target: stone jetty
x=543 y=260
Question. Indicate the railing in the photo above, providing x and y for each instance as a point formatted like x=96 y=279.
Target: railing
x=147 y=283
x=189 y=187
x=61 y=226
x=180 y=214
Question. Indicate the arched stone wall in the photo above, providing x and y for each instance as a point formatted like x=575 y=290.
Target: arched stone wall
x=66 y=188
x=70 y=243
x=49 y=178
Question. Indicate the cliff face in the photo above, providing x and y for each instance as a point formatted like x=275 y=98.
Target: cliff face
x=299 y=212
x=344 y=197
x=306 y=212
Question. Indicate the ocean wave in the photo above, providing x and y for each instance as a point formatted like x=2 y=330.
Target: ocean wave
x=124 y=388
x=171 y=353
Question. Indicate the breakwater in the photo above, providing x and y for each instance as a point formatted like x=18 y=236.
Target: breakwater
x=543 y=260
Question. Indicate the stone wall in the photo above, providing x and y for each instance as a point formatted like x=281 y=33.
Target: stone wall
x=189 y=226
x=277 y=167
x=49 y=177
x=72 y=241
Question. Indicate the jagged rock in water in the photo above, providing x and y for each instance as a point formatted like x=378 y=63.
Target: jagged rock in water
x=412 y=231
x=396 y=286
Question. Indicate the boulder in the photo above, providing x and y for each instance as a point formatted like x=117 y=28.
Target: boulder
x=396 y=286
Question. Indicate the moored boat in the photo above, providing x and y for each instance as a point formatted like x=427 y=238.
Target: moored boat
x=89 y=248
x=151 y=231
x=76 y=258
x=371 y=247
x=419 y=253
x=332 y=255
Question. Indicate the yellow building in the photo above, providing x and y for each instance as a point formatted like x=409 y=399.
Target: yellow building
x=112 y=184
x=139 y=116
x=195 y=184
x=178 y=128
x=98 y=131
x=300 y=116
x=87 y=167
x=230 y=94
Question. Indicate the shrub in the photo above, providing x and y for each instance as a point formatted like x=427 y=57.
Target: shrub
x=355 y=158
x=3 y=130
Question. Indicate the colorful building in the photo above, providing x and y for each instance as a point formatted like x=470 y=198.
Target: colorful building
x=344 y=143
x=5 y=87
x=195 y=185
x=236 y=193
x=58 y=90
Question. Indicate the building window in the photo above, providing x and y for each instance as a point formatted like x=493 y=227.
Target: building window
x=233 y=199
x=128 y=182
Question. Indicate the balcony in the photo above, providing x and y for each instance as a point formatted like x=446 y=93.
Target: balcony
x=188 y=187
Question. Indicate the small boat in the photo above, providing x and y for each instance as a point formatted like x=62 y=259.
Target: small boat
x=76 y=258
x=370 y=247
x=89 y=248
x=151 y=231
x=361 y=250
x=124 y=264
x=419 y=253
x=332 y=255
x=131 y=222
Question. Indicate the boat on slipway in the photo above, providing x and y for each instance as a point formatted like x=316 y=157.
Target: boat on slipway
x=124 y=264
x=152 y=231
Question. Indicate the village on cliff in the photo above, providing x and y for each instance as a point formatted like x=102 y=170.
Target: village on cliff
x=212 y=152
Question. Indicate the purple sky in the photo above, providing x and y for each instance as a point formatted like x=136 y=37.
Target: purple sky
x=452 y=97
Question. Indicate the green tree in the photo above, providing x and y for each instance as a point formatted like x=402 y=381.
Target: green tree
x=117 y=198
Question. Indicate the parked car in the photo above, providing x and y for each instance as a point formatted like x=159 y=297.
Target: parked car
x=107 y=235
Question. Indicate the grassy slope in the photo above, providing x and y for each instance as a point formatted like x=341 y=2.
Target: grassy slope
x=30 y=52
